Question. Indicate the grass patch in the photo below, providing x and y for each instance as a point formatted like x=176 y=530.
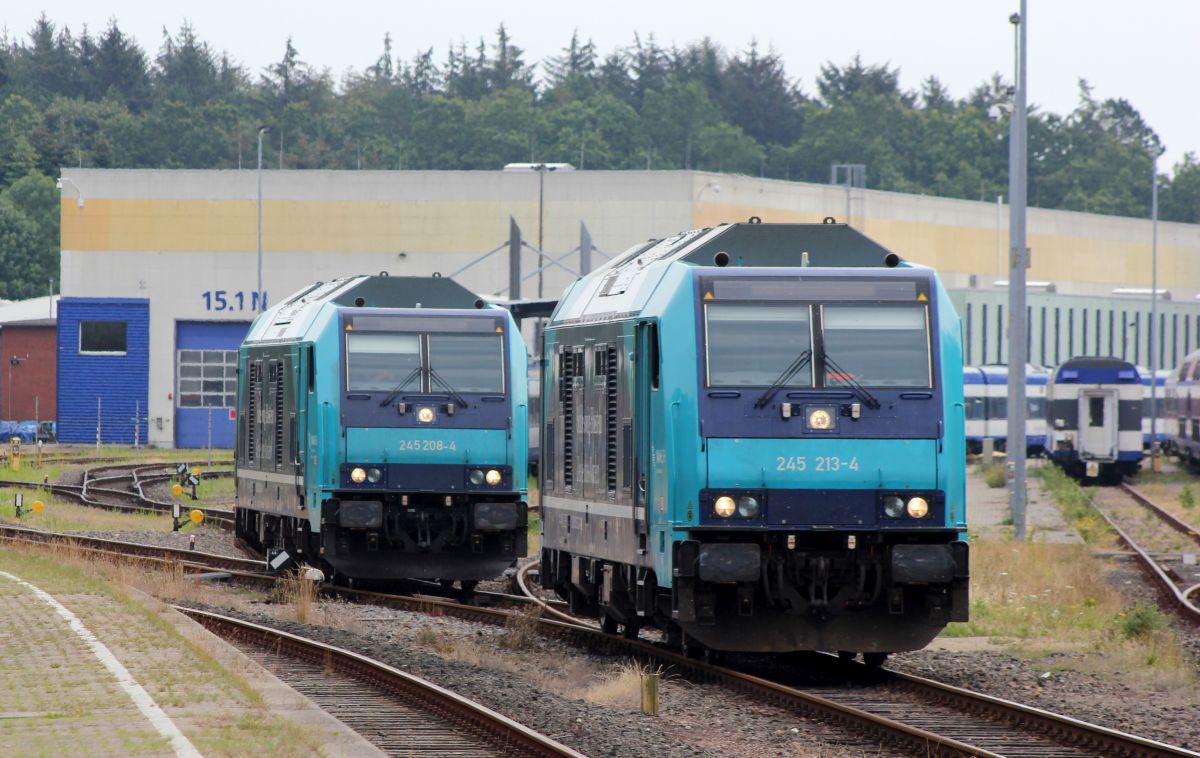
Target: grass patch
x=520 y=629
x=534 y=532
x=1075 y=502
x=61 y=515
x=1054 y=597
x=1187 y=498
x=994 y=476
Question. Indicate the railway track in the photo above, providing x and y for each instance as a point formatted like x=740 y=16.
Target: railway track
x=908 y=712
x=1181 y=589
x=96 y=492
x=398 y=712
x=911 y=712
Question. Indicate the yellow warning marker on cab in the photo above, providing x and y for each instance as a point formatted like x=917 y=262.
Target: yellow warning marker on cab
x=922 y=299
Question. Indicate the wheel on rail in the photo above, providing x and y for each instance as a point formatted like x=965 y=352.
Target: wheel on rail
x=468 y=585
x=630 y=631
x=847 y=655
x=875 y=660
x=608 y=624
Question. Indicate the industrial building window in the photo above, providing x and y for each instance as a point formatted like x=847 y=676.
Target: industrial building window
x=206 y=378
x=969 y=335
x=102 y=337
x=1043 y=335
x=1070 y=332
x=1057 y=337
x=983 y=334
x=1084 y=331
x=999 y=334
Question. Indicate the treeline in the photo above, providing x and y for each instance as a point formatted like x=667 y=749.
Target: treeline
x=103 y=101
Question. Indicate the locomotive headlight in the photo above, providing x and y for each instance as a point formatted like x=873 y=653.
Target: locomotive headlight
x=893 y=506
x=493 y=477
x=748 y=506
x=425 y=415
x=358 y=476
x=724 y=507
x=819 y=418
x=374 y=475
x=918 y=507
x=476 y=477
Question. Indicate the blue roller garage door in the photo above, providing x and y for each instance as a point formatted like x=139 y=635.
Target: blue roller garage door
x=206 y=381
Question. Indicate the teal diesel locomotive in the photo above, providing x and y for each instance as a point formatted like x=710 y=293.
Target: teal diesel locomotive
x=383 y=431
x=753 y=439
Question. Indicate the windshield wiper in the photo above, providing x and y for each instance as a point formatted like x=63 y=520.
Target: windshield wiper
x=840 y=374
x=792 y=369
x=400 y=387
x=453 y=392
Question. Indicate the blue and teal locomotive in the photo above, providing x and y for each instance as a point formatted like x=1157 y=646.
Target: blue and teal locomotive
x=753 y=438
x=383 y=431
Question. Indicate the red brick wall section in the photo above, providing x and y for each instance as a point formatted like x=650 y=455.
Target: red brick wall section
x=33 y=388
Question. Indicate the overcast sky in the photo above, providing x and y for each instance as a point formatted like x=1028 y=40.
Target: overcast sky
x=1142 y=51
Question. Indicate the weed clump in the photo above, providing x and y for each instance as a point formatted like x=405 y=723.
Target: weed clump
x=300 y=592
x=520 y=630
x=1074 y=502
x=1187 y=498
x=1140 y=622
x=994 y=476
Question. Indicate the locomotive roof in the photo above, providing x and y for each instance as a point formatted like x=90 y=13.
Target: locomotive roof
x=290 y=319
x=623 y=285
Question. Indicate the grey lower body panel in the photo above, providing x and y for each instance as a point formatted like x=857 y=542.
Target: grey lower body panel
x=606 y=530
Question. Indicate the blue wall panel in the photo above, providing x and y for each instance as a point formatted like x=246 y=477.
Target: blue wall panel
x=191 y=424
x=119 y=382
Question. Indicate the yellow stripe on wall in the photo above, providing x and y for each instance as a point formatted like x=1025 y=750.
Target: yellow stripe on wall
x=288 y=225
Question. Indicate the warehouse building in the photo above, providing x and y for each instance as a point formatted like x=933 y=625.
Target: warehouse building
x=28 y=345
x=172 y=255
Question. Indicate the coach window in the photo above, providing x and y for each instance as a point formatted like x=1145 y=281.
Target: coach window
x=102 y=337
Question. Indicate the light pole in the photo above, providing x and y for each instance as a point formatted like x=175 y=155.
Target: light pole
x=78 y=192
x=1018 y=260
x=262 y=130
x=541 y=169
x=1154 y=335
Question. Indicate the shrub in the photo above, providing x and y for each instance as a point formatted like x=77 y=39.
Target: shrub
x=1140 y=621
x=1187 y=498
x=995 y=476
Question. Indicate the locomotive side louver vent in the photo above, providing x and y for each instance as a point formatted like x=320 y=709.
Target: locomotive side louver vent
x=610 y=418
x=279 y=415
x=252 y=392
x=567 y=373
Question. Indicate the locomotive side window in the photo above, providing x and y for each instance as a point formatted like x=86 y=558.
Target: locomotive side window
x=467 y=362
x=878 y=346
x=753 y=345
x=382 y=361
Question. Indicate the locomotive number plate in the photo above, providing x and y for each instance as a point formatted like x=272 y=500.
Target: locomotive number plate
x=820 y=463
x=428 y=445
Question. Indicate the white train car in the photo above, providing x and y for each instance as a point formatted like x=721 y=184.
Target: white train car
x=1095 y=410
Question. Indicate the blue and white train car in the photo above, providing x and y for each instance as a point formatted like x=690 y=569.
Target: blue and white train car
x=975 y=401
x=1159 y=433
x=754 y=439
x=1095 y=409
x=383 y=431
x=985 y=390
x=1183 y=389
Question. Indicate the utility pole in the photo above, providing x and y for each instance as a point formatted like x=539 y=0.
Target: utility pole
x=1018 y=260
x=1154 y=331
x=259 y=294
